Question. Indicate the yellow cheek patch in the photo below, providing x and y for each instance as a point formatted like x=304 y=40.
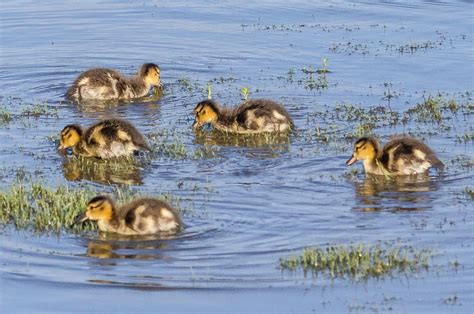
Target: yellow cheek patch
x=69 y=138
x=207 y=116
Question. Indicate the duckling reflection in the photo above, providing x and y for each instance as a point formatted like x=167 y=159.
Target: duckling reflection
x=124 y=171
x=101 y=108
x=266 y=144
x=405 y=193
x=141 y=249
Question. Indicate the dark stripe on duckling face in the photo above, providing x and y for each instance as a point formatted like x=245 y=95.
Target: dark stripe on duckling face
x=198 y=109
x=147 y=67
x=70 y=128
x=98 y=201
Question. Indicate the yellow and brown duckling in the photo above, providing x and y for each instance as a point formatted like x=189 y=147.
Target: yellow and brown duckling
x=106 y=139
x=400 y=156
x=108 y=84
x=143 y=216
x=252 y=116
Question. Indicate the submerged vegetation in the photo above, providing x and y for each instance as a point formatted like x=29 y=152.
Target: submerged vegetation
x=439 y=109
x=24 y=111
x=358 y=262
x=469 y=192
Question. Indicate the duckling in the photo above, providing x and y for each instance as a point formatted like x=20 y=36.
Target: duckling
x=252 y=116
x=400 y=156
x=107 y=84
x=142 y=216
x=105 y=139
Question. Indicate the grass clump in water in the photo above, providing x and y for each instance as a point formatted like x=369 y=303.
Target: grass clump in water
x=5 y=116
x=39 y=110
x=469 y=192
x=42 y=208
x=358 y=262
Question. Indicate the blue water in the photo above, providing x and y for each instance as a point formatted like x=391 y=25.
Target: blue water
x=246 y=205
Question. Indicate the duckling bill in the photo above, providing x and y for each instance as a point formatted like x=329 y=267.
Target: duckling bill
x=108 y=84
x=252 y=116
x=400 y=156
x=106 y=139
x=143 y=216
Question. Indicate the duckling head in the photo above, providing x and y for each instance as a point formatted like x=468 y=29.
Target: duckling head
x=206 y=111
x=98 y=208
x=150 y=72
x=70 y=136
x=366 y=148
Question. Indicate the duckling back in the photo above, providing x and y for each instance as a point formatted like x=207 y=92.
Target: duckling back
x=100 y=84
x=262 y=115
x=113 y=138
x=408 y=156
x=149 y=216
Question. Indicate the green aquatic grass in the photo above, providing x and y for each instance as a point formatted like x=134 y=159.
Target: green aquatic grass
x=169 y=144
x=469 y=192
x=345 y=121
x=43 y=209
x=39 y=110
x=5 y=115
x=245 y=93
x=358 y=262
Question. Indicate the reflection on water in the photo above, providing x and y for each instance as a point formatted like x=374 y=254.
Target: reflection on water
x=138 y=285
x=252 y=200
x=115 y=246
x=400 y=193
x=92 y=107
x=268 y=144
x=109 y=250
x=118 y=171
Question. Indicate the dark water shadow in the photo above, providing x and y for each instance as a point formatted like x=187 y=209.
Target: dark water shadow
x=122 y=171
x=404 y=193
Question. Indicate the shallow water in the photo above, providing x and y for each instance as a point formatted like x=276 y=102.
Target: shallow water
x=245 y=204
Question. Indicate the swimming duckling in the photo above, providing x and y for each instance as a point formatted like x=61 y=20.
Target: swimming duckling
x=105 y=139
x=252 y=116
x=400 y=156
x=139 y=217
x=106 y=84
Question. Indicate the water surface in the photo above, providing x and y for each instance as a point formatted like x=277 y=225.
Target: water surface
x=245 y=204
